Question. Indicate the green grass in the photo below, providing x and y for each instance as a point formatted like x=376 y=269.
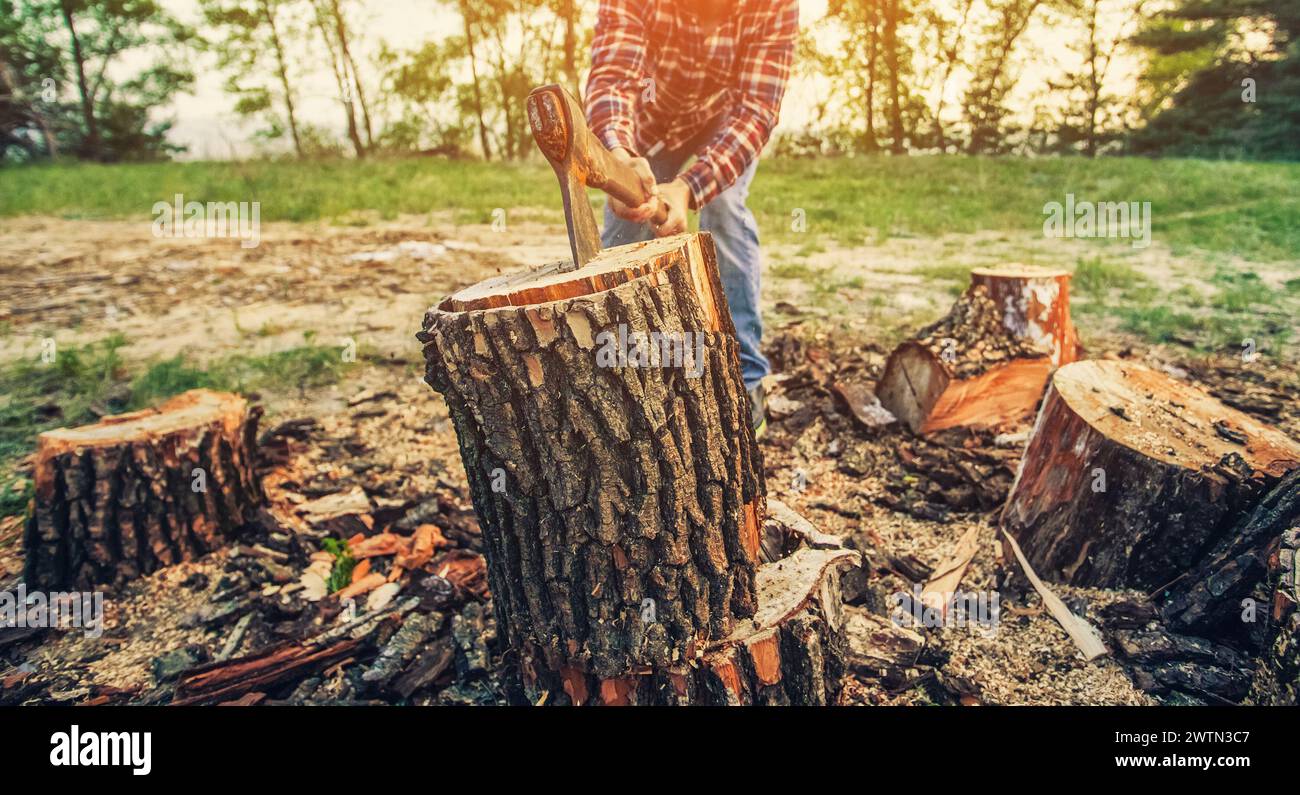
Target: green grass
x=82 y=383
x=1096 y=278
x=344 y=563
x=334 y=190
x=1247 y=209
x=1241 y=291
x=1250 y=210
x=1222 y=313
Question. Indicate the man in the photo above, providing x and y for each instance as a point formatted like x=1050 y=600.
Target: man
x=676 y=79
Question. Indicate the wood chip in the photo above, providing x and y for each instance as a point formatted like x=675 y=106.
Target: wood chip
x=1080 y=631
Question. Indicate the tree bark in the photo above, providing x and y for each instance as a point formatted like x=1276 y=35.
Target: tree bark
x=602 y=481
x=140 y=491
x=1131 y=477
x=1277 y=681
x=984 y=364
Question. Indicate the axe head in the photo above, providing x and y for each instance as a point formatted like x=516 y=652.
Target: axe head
x=560 y=130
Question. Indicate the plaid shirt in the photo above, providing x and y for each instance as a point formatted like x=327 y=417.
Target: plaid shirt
x=659 y=80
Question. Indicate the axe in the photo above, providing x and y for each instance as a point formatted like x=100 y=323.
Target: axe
x=580 y=161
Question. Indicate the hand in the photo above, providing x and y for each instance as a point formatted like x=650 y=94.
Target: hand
x=641 y=166
x=677 y=194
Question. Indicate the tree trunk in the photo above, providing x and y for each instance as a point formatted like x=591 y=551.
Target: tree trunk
x=283 y=71
x=478 y=91
x=140 y=491
x=350 y=68
x=952 y=55
x=873 y=44
x=604 y=428
x=892 y=10
x=1094 y=84
x=1130 y=477
x=984 y=364
x=569 y=11
x=345 y=91
x=91 y=145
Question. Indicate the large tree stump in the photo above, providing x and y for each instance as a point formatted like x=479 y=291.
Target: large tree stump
x=1130 y=477
x=985 y=363
x=604 y=428
x=135 y=492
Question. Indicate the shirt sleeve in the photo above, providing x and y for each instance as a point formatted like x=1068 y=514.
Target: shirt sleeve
x=764 y=69
x=618 y=55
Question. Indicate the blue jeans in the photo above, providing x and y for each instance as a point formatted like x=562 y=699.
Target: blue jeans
x=735 y=235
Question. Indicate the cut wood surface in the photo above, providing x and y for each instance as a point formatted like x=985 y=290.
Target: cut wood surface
x=986 y=362
x=135 y=492
x=1130 y=476
x=621 y=498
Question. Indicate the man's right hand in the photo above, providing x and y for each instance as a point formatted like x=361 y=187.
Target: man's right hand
x=641 y=166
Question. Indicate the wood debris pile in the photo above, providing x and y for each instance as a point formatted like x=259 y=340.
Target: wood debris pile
x=1185 y=642
x=346 y=588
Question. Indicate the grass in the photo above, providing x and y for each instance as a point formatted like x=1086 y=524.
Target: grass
x=1096 y=278
x=1238 y=308
x=344 y=563
x=330 y=190
x=84 y=383
x=1251 y=210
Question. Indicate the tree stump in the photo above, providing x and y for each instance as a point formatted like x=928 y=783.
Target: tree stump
x=604 y=428
x=985 y=363
x=136 y=492
x=1130 y=477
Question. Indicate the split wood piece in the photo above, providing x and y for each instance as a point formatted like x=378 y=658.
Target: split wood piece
x=136 y=492
x=1083 y=634
x=1129 y=476
x=619 y=487
x=793 y=651
x=287 y=662
x=986 y=362
x=878 y=647
x=942 y=585
x=222 y=681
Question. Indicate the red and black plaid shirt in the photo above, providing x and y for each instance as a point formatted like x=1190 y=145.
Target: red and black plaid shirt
x=658 y=79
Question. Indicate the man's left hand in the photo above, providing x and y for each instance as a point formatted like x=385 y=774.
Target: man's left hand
x=678 y=196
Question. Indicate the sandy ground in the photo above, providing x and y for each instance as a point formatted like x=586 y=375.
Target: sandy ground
x=81 y=281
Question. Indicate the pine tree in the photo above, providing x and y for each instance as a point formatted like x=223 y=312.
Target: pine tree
x=1223 y=98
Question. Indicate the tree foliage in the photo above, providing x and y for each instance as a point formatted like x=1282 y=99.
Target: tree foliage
x=68 y=87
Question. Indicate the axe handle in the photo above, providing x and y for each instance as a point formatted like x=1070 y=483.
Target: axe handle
x=580 y=161
x=618 y=179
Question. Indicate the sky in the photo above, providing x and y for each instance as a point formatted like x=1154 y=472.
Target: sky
x=207 y=126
